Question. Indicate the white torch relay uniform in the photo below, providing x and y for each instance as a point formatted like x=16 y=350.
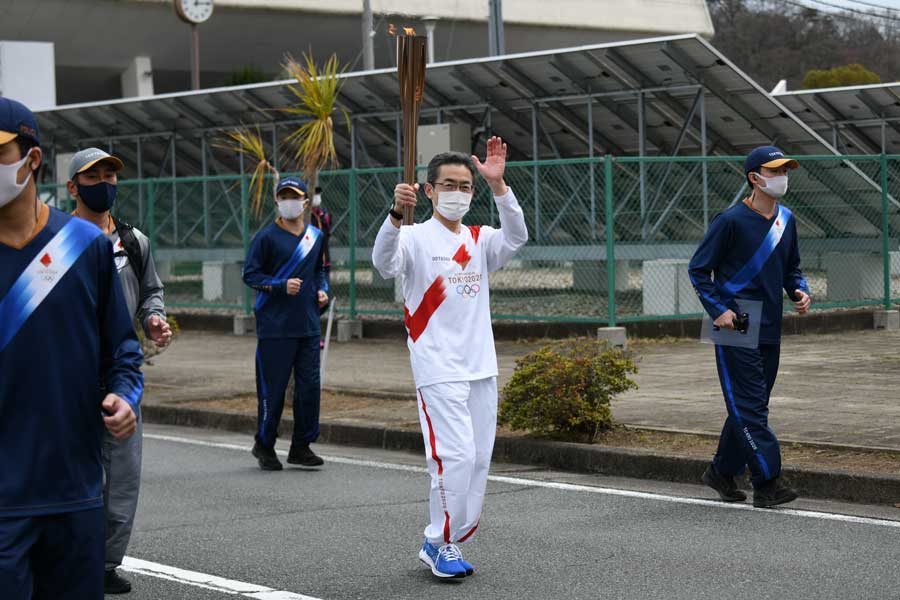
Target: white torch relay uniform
x=446 y=294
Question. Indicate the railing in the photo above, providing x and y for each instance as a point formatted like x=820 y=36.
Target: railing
x=610 y=237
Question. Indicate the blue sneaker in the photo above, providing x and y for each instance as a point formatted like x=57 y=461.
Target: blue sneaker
x=445 y=561
x=470 y=570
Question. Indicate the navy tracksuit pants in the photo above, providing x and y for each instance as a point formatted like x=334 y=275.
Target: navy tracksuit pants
x=53 y=557
x=747 y=377
x=276 y=359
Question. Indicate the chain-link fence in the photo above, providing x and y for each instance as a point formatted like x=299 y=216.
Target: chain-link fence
x=610 y=238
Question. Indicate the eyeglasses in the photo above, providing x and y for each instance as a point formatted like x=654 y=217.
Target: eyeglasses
x=448 y=185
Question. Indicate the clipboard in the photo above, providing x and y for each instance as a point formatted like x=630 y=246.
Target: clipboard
x=730 y=337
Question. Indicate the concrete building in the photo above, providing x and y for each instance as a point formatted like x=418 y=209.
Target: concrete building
x=107 y=49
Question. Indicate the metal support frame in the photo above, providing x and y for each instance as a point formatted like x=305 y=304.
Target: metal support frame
x=642 y=167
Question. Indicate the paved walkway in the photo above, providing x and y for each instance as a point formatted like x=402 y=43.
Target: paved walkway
x=841 y=388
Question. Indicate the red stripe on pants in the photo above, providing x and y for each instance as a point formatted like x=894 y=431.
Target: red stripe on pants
x=468 y=535
x=440 y=466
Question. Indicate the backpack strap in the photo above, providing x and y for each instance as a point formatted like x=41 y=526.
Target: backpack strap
x=132 y=247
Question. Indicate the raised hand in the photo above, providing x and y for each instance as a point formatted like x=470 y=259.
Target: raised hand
x=494 y=165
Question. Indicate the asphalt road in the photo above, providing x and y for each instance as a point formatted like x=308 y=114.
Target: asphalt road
x=211 y=525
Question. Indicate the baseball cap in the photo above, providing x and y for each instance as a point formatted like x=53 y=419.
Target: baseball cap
x=768 y=156
x=87 y=158
x=16 y=120
x=292 y=183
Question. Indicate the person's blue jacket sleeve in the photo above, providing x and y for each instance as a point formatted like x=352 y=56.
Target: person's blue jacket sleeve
x=793 y=277
x=120 y=351
x=704 y=263
x=254 y=274
x=321 y=269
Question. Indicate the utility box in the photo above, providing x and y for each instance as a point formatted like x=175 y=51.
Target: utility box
x=446 y=137
x=28 y=73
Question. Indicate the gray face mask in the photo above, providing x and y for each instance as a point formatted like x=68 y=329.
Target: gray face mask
x=776 y=187
x=9 y=187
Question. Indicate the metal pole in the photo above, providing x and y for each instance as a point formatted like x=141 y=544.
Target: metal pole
x=496 y=44
x=642 y=151
x=430 y=23
x=174 y=194
x=592 y=167
x=245 y=233
x=353 y=217
x=535 y=152
x=885 y=232
x=140 y=176
x=610 y=242
x=368 y=45
x=205 y=167
x=703 y=151
x=195 y=57
x=274 y=146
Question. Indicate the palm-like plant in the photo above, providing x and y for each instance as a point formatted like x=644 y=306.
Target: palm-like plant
x=248 y=141
x=316 y=91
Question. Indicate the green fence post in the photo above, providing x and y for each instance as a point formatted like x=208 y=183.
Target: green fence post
x=610 y=242
x=885 y=233
x=245 y=235
x=353 y=233
x=151 y=220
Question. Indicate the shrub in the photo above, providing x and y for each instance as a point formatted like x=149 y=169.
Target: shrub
x=564 y=389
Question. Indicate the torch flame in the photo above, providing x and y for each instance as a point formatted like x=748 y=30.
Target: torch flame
x=409 y=31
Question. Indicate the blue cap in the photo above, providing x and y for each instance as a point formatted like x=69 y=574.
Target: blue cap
x=292 y=183
x=16 y=120
x=769 y=157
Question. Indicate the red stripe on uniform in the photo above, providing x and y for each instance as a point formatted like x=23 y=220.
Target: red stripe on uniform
x=468 y=535
x=476 y=231
x=433 y=298
x=440 y=466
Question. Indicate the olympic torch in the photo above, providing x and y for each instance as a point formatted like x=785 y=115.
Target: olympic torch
x=411 y=59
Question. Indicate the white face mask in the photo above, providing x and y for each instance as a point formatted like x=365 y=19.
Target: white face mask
x=291 y=209
x=453 y=205
x=9 y=187
x=317 y=201
x=776 y=187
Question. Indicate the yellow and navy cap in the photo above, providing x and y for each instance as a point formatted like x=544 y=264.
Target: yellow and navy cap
x=769 y=157
x=17 y=120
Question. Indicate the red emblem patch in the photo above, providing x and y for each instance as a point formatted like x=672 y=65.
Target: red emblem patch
x=462 y=256
x=46 y=260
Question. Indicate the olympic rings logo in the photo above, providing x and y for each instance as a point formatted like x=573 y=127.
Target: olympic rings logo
x=468 y=291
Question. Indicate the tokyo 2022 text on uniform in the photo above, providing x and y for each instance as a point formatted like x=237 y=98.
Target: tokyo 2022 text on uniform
x=65 y=338
x=744 y=255
x=444 y=277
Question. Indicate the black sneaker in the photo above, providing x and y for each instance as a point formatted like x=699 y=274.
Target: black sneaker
x=304 y=456
x=723 y=484
x=268 y=461
x=113 y=583
x=772 y=493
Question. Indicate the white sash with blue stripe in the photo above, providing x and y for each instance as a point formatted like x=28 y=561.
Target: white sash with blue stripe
x=756 y=263
x=289 y=268
x=40 y=277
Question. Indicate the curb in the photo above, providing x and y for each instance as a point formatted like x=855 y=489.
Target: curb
x=827 y=321
x=566 y=456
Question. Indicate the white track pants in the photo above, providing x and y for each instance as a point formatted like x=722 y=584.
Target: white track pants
x=459 y=423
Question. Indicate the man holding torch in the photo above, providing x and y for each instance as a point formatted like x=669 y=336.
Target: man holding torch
x=444 y=267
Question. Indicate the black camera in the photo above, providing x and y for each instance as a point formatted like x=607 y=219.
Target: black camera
x=741 y=323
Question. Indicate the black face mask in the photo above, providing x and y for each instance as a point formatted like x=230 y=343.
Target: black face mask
x=98 y=197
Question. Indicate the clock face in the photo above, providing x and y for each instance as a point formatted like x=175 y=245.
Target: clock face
x=194 y=11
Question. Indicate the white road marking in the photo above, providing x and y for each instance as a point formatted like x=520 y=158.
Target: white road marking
x=209 y=582
x=570 y=487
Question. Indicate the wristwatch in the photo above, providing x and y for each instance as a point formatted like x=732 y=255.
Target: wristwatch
x=395 y=214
